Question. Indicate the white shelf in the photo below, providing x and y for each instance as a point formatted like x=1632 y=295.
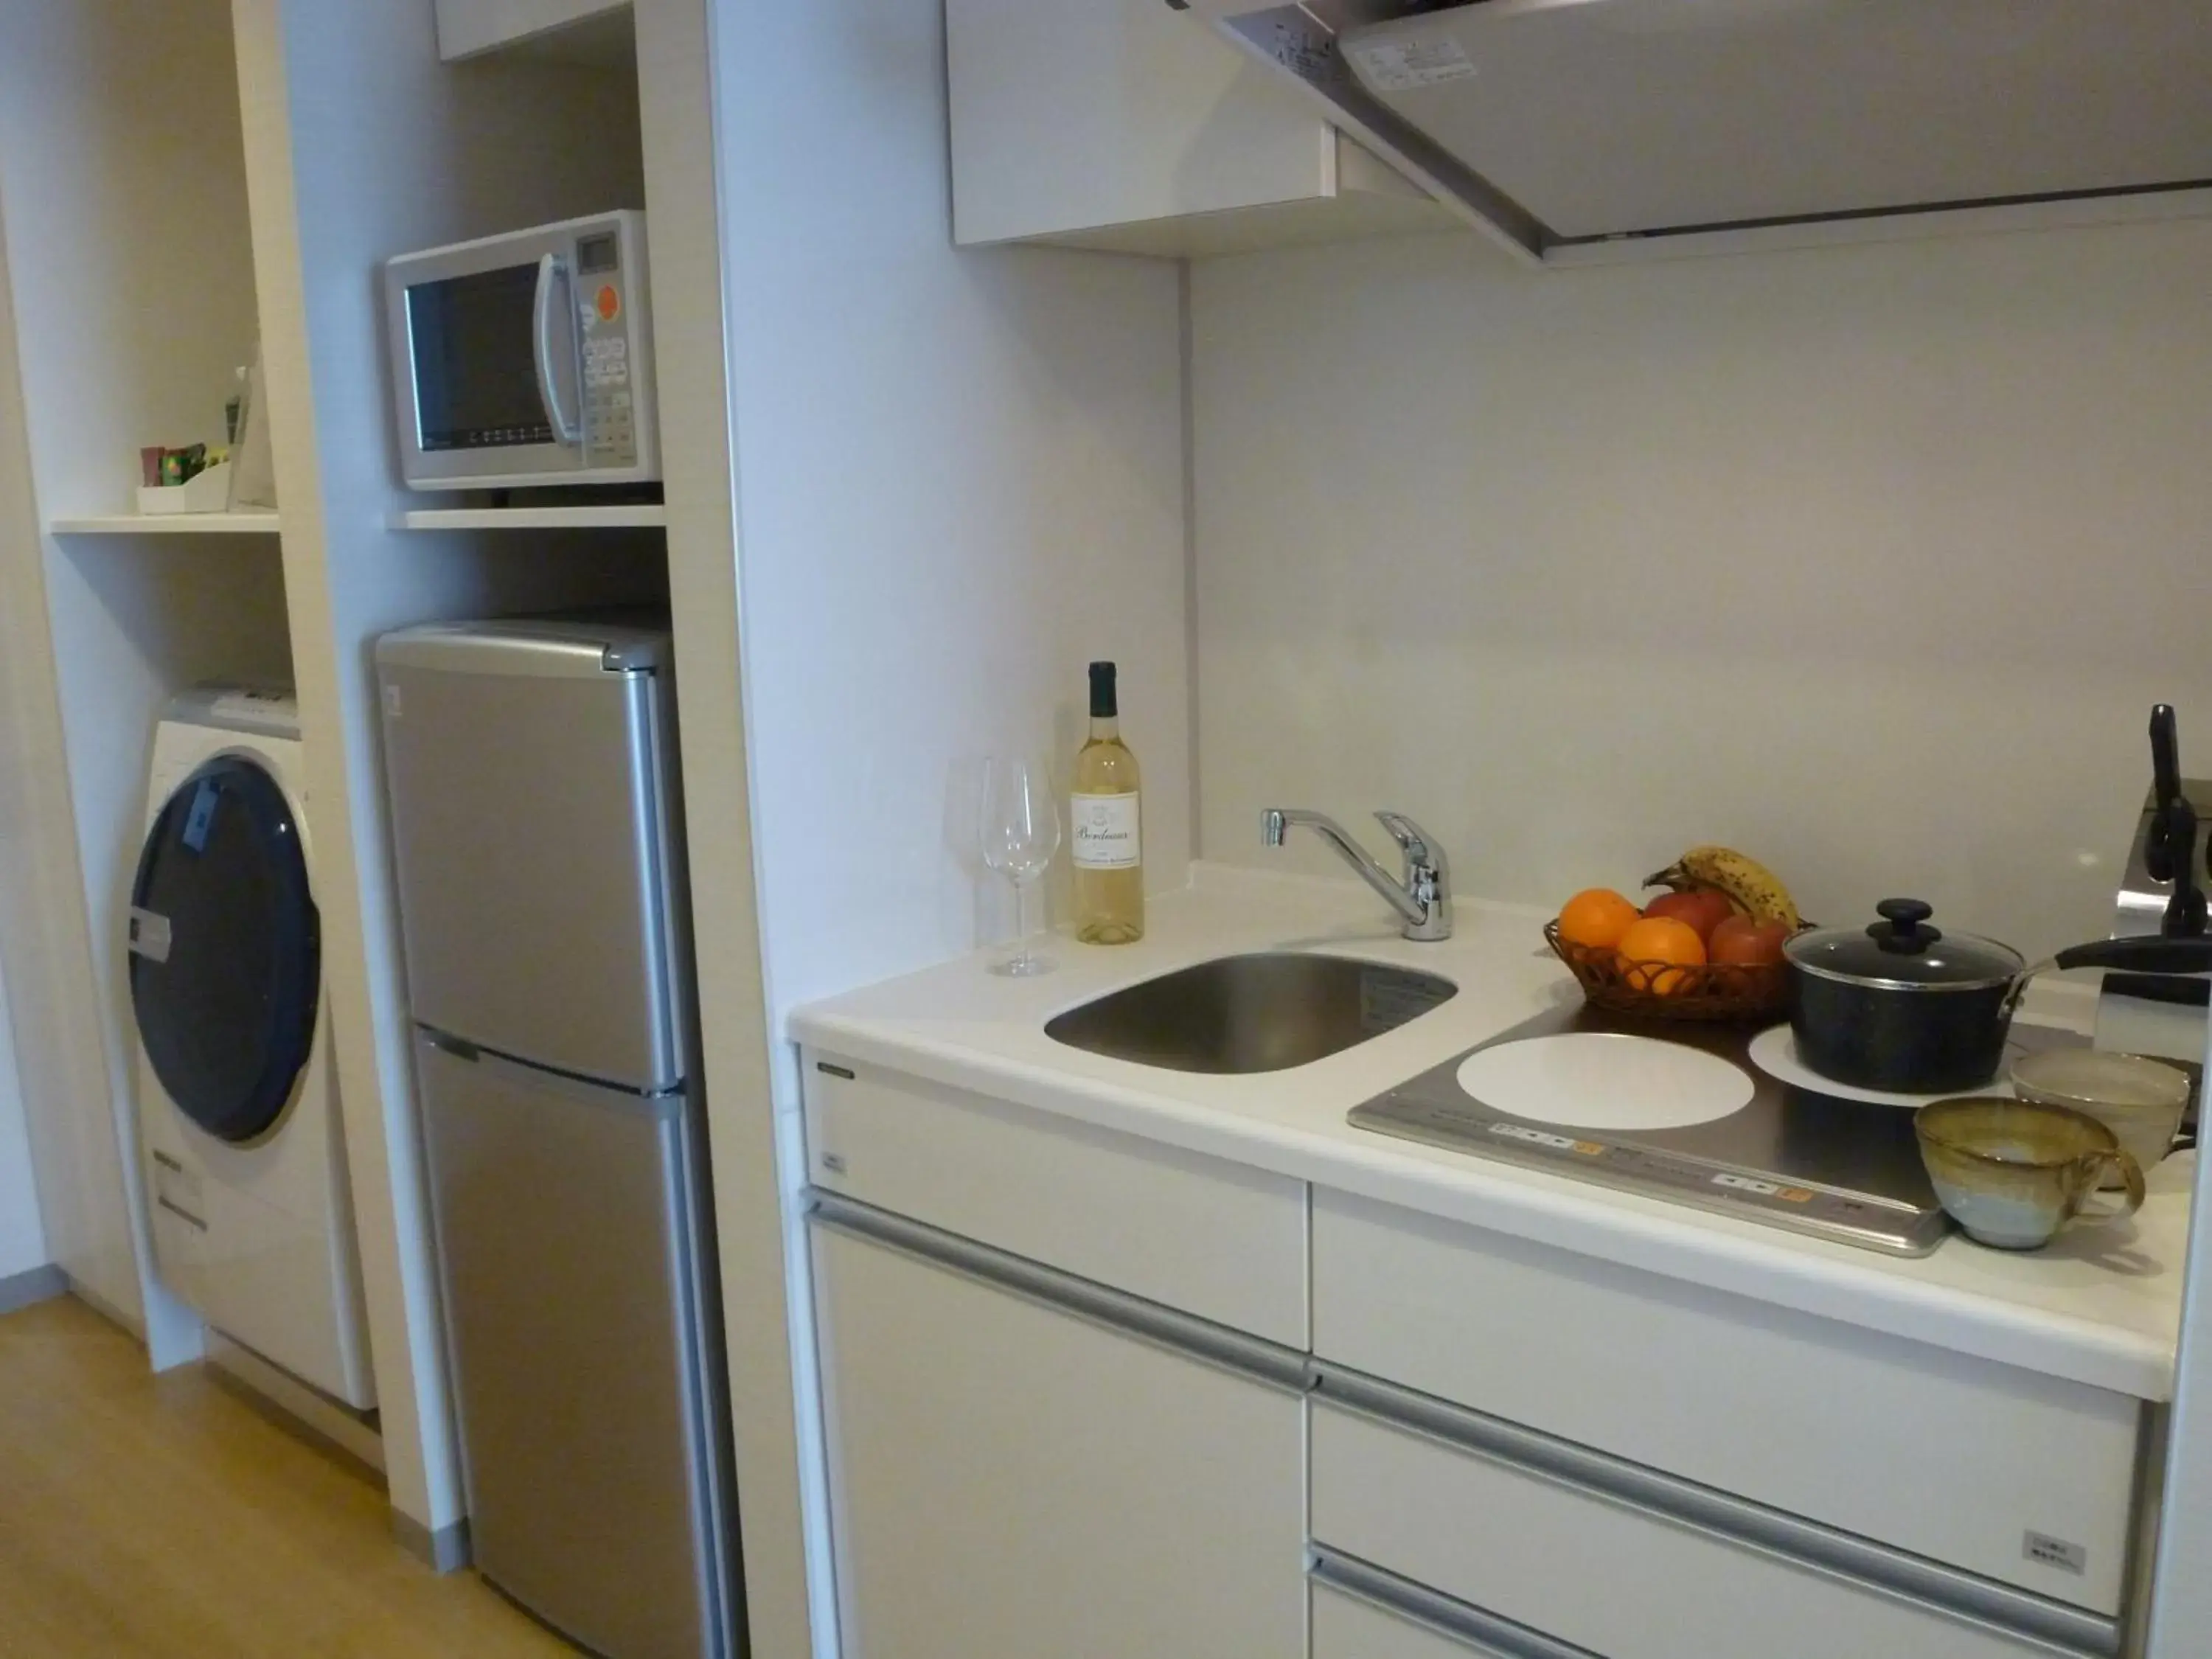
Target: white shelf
x=644 y=515
x=168 y=524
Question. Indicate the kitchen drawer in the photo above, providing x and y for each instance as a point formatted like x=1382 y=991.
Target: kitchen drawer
x=1212 y=1238
x=1617 y=1578
x=2018 y=1477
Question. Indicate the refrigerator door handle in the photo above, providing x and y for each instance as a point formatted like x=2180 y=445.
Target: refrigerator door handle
x=459 y=1048
x=604 y=1096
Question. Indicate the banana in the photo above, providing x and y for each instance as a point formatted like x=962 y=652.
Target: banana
x=1750 y=885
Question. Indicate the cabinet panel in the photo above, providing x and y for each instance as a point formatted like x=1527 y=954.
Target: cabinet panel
x=1600 y=1574
x=1009 y=1479
x=1126 y=124
x=1953 y=1458
x=1150 y=118
x=1216 y=1239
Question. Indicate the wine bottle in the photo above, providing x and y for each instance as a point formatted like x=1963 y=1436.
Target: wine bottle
x=1109 y=839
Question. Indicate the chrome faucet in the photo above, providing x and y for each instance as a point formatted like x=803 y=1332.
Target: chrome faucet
x=1423 y=902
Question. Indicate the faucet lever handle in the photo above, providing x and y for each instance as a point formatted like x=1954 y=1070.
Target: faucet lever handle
x=1419 y=845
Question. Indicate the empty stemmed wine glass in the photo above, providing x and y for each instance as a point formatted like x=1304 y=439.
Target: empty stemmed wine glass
x=1019 y=833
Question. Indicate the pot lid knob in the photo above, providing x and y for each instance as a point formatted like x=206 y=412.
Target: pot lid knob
x=1904 y=929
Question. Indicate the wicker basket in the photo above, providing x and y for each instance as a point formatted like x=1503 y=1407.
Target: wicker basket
x=1714 y=991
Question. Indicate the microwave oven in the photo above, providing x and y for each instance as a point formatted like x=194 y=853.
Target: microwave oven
x=526 y=359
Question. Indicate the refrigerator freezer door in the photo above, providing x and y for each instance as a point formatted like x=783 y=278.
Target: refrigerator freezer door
x=565 y=1230
x=533 y=842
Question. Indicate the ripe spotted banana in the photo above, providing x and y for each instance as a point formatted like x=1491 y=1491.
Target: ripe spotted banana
x=1750 y=885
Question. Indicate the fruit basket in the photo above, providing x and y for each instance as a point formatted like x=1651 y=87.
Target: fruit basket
x=1661 y=990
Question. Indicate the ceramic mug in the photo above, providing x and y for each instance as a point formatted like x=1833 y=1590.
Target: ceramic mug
x=2013 y=1172
x=2140 y=1101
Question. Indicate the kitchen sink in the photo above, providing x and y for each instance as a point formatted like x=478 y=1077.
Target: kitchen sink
x=1267 y=1012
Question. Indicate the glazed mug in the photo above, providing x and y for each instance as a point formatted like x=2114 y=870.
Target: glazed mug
x=2013 y=1173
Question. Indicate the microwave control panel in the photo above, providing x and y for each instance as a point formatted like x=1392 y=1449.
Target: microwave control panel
x=602 y=318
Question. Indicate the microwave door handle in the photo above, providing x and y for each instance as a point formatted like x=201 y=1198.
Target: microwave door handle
x=550 y=268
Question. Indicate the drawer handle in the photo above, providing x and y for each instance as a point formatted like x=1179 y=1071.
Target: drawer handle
x=1484 y=1635
x=183 y=1213
x=1202 y=1339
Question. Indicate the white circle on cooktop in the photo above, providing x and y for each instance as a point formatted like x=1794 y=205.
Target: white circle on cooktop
x=1605 y=1080
x=1774 y=1051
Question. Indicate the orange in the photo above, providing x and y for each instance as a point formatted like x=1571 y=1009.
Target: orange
x=1660 y=939
x=1596 y=919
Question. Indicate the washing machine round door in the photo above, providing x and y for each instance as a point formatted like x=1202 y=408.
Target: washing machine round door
x=225 y=950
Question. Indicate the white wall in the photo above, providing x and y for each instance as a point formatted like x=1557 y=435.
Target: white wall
x=130 y=301
x=23 y=1234
x=35 y=847
x=959 y=479
x=1870 y=561
x=133 y=273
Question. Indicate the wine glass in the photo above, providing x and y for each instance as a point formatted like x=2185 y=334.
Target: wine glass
x=1019 y=833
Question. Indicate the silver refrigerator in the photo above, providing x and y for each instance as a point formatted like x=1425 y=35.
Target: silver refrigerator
x=535 y=815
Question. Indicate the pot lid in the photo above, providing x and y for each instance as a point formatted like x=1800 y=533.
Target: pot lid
x=1905 y=952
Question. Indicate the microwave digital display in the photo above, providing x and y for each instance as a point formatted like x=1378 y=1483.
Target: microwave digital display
x=475 y=372
x=596 y=255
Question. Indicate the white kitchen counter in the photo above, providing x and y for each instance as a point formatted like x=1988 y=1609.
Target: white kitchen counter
x=2101 y=1306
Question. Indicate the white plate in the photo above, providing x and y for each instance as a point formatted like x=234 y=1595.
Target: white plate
x=1774 y=1051
x=1605 y=1080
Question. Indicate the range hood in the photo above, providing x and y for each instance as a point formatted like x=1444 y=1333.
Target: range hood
x=1573 y=130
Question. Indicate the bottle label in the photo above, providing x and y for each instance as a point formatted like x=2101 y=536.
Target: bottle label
x=1106 y=834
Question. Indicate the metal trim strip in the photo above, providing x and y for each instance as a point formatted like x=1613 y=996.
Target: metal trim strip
x=1485 y=1635
x=1735 y=1521
x=1202 y=1339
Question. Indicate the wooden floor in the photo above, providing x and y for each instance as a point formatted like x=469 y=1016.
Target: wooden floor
x=144 y=1516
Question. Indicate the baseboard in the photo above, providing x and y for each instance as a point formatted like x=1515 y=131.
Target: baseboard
x=355 y=1433
x=446 y=1550
x=33 y=1285
x=106 y=1309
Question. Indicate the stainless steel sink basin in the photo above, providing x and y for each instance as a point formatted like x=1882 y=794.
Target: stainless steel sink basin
x=1263 y=1012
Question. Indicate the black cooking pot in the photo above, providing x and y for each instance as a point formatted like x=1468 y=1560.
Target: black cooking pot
x=1904 y=1006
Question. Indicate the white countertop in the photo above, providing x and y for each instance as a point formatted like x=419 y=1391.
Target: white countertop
x=2099 y=1306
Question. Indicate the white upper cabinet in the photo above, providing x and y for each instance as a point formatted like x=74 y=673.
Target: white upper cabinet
x=1122 y=125
x=467 y=27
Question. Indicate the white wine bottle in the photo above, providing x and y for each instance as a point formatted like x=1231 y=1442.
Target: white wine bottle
x=1108 y=837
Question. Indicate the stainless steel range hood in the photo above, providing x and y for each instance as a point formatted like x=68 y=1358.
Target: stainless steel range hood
x=1582 y=130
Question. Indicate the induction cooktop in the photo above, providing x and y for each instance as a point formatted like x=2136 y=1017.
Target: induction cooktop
x=1681 y=1112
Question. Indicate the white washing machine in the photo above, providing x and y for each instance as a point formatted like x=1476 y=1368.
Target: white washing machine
x=238 y=1104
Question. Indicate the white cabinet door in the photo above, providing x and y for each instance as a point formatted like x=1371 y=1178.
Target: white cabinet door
x=1126 y=124
x=1011 y=1481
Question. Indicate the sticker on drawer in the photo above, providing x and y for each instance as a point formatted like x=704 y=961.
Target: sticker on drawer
x=1407 y=62
x=2046 y=1551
